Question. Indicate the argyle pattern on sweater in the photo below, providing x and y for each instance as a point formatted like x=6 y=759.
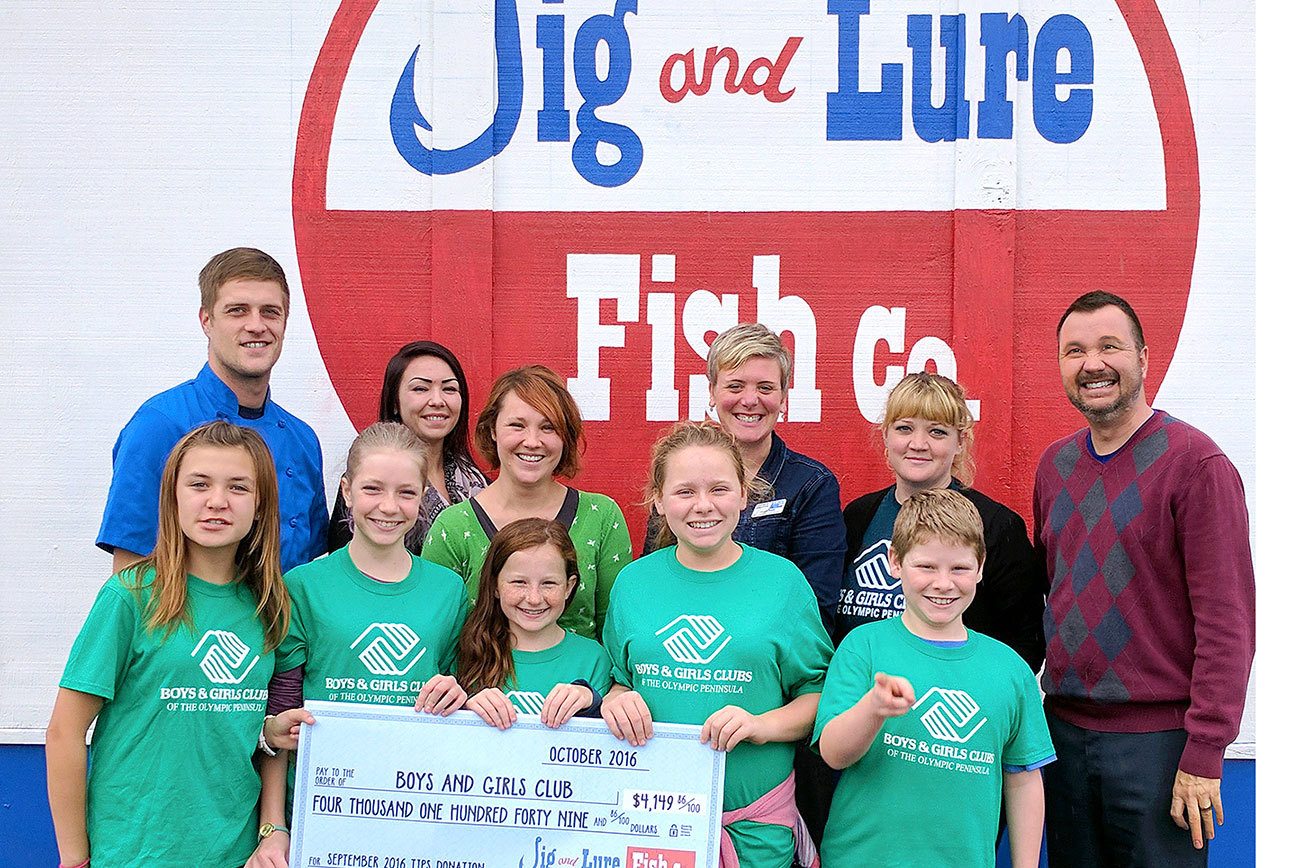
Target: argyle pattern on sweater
x=1087 y=630
x=1149 y=619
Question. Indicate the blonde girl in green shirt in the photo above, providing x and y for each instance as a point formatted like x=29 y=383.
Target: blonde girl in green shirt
x=370 y=615
x=513 y=655
x=173 y=662
x=721 y=635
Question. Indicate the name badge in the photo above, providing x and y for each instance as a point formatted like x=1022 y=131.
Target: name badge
x=772 y=507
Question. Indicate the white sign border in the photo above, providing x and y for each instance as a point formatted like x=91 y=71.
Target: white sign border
x=361 y=711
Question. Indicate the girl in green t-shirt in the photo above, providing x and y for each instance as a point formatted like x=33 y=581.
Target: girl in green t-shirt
x=173 y=661
x=370 y=613
x=512 y=654
x=721 y=635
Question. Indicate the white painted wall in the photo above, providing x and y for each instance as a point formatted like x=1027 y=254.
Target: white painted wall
x=135 y=142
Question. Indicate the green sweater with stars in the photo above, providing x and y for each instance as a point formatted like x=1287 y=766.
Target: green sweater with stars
x=457 y=541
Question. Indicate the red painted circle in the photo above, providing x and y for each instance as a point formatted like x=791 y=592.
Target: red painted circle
x=491 y=285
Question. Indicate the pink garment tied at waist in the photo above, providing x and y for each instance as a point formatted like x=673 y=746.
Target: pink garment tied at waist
x=777 y=807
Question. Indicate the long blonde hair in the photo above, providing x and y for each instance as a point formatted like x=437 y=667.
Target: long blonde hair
x=257 y=558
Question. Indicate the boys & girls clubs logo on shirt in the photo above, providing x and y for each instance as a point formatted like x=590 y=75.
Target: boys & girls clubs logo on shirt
x=388 y=651
x=388 y=647
x=694 y=641
x=224 y=652
x=878 y=596
x=527 y=701
x=222 y=663
x=948 y=716
x=695 y=638
x=872 y=569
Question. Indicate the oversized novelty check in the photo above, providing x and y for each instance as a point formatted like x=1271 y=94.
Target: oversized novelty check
x=386 y=787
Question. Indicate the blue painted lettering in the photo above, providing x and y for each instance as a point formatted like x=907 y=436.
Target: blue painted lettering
x=599 y=92
x=858 y=115
x=1064 y=120
x=405 y=115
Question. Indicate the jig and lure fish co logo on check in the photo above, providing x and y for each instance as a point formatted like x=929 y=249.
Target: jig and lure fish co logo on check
x=950 y=715
x=224 y=654
x=694 y=639
x=389 y=649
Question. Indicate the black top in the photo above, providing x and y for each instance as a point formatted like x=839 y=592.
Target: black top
x=1009 y=600
x=568 y=512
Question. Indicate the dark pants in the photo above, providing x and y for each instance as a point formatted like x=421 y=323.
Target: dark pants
x=815 y=783
x=1108 y=800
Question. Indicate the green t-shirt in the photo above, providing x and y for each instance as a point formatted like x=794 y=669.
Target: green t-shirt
x=457 y=541
x=172 y=780
x=977 y=711
x=537 y=672
x=361 y=640
x=692 y=642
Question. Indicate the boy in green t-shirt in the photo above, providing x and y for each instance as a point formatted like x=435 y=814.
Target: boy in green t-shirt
x=922 y=713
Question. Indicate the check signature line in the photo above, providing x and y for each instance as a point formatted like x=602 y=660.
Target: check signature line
x=429 y=794
x=623 y=832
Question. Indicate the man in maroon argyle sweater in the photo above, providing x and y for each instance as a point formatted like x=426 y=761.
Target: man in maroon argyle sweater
x=1150 y=617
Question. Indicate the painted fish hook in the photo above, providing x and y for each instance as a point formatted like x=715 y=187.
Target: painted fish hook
x=405 y=115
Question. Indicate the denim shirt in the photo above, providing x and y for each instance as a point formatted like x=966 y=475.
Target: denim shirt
x=799 y=517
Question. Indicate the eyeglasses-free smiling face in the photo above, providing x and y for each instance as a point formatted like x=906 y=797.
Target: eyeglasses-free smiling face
x=938 y=579
x=384 y=495
x=429 y=398
x=749 y=399
x=245 y=328
x=701 y=499
x=532 y=589
x=216 y=496
x=1102 y=368
x=528 y=445
x=921 y=453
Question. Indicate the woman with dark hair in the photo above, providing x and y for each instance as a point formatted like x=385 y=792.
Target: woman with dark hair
x=425 y=389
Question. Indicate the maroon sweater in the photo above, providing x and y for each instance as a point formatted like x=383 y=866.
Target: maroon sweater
x=1150 y=618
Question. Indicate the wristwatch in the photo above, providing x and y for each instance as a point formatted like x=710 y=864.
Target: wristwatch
x=262 y=737
x=266 y=830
